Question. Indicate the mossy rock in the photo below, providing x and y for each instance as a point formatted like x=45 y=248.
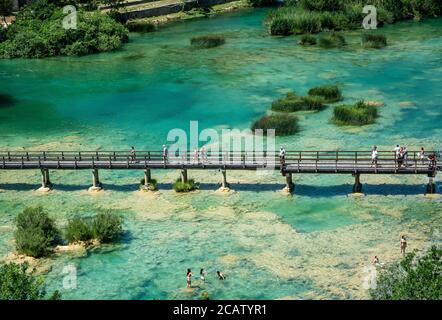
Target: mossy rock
x=207 y=41
x=374 y=41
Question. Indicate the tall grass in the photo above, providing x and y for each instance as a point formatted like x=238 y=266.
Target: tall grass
x=375 y=41
x=188 y=186
x=284 y=125
x=292 y=103
x=332 y=40
x=330 y=93
x=356 y=115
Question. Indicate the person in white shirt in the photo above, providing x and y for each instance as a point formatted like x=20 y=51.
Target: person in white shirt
x=165 y=153
x=396 y=150
x=374 y=156
x=282 y=155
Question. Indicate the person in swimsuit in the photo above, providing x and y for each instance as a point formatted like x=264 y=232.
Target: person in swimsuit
x=403 y=244
x=189 y=278
x=375 y=260
x=202 y=275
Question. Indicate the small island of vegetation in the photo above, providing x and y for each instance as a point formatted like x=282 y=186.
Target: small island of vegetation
x=185 y=186
x=292 y=103
x=207 y=41
x=357 y=114
x=284 y=125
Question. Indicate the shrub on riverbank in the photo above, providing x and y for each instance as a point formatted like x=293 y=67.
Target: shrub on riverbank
x=36 y=232
x=284 y=125
x=105 y=227
x=330 y=93
x=182 y=187
x=293 y=103
x=332 y=40
x=357 y=114
x=307 y=40
x=38 y=32
x=413 y=278
x=17 y=283
x=375 y=41
x=207 y=41
x=313 y=16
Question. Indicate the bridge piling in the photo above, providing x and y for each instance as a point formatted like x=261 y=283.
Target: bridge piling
x=46 y=184
x=431 y=186
x=289 y=185
x=224 y=184
x=147 y=177
x=184 y=175
x=357 y=187
x=96 y=184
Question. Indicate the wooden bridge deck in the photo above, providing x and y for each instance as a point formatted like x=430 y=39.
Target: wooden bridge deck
x=327 y=162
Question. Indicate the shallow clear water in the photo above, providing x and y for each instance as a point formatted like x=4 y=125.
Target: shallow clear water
x=312 y=245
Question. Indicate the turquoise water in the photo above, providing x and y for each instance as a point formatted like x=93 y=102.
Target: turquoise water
x=313 y=244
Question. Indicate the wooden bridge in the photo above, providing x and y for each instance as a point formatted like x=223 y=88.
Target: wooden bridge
x=295 y=162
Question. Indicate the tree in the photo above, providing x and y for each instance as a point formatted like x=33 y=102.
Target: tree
x=413 y=278
x=5 y=9
x=36 y=233
x=18 y=284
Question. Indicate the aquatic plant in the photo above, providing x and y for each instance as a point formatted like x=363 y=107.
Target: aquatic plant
x=17 y=282
x=307 y=40
x=330 y=93
x=78 y=229
x=332 y=40
x=182 y=187
x=38 y=32
x=141 y=26
x=284 y=125
x=357 y=114
x=376 y=41
x=152 y=185
x=36 y=232
x=107 y=227
x=413 y=278
x=292 y=103
x=207 y=41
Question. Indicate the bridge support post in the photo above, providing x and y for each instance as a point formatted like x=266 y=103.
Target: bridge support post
x=431 y=186
x=357 y=187
x=289 y=185
x=224 y=183
x=46 y=184
x=148 y=185
x=96 y=184
x=184 y=175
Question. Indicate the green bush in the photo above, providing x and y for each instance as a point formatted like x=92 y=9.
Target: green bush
x=284 y=125
x=152 y=186
x=293 y=103
x=322 y=5
x=79 y=229
x=376 y=41
x=207 y=41
x=182 y=187
x=307 y=40
x=332 y=40
x=140 y=26
x=38 y=32
x=357 y=114
x=18 y=284
x=107 y=227
x=36 y=233
x=281 y=26
x=330 y=93
x=413 y=278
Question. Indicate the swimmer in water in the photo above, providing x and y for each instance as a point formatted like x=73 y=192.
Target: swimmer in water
x=189 y=278
x=202 y=275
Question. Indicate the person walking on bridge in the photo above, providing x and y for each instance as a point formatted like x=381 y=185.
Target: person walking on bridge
x=132 y=154
x=165 y=154
x=282 y=157
x=374 y=156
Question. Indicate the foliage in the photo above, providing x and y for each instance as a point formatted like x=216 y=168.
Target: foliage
x=107 y=227
x=376 y=41
x=330 y=93
x=313 y=16
x=332 y=40
x=17 y=284
x=38 y=32
x=293 y=103
x=5 y=9
x=207 y=41
x=413 y=278
x=263 y=3
x=188 y=186
x=284 y=125
x=78 y=229
x=357 y=114
x=307 y=40
x=36 y=233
